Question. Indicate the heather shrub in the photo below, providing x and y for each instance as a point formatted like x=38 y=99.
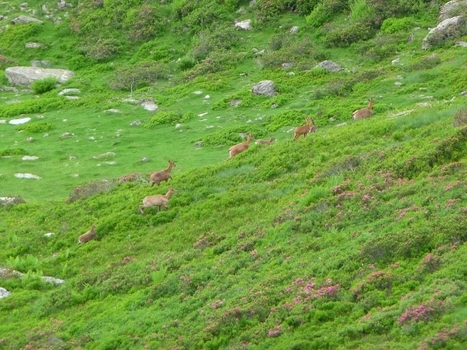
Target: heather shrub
x=102 y=49
x=146 y=22
x=425 y=62
x=91 y=188
x=216 y=61
x=140 y=75
x=460 y=118
x=207 y=41
x=343 y=37
x=320 y=14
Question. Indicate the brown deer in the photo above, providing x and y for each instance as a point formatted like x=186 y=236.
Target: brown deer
x=85 y=237
x=159 y=200
x=265 y=142
x=239 y=148
x=364 y=112
x=163 y=175
x=302 y=130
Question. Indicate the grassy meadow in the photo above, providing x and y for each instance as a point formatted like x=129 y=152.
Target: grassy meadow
x=350 y=238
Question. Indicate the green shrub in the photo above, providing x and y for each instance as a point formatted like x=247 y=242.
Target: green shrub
x=164 y=117
x=232 y=135
x=320 y=15
x=394 y=25
x=36 y=127
x=43 y=85
x=360 y=10
x=23 y=264
x=13 y=152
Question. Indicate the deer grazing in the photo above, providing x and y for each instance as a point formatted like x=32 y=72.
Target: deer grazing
x=163 y=175
x=304 y=129
x=85 y=237
x=364 y=112
x=159 y=200
x=239 y=148
x=265 y=142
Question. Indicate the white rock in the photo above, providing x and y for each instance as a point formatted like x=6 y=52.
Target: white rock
x=26 y=176
x=4 y=293
x=19 y=121
x=29 y=158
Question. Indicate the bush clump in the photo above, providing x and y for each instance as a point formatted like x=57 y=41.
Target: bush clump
x=165 y=117
x=36 y=128
x=140 y=75
x=44 y=85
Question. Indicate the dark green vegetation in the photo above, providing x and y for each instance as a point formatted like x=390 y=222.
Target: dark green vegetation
x=351 y=238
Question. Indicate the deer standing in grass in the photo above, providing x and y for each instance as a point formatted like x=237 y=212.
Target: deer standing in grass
x=304 y=129
x=163 y=175
x=85 y=237
x=239 y=148
x=364 y=112
x=159 y=200
x=265 y=142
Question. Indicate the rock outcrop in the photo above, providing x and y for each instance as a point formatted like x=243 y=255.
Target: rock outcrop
x=24 y=76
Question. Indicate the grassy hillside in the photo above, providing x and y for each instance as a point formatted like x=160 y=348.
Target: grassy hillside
x=350 y=238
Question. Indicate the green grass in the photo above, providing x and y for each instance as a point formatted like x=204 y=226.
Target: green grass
x=350 y=238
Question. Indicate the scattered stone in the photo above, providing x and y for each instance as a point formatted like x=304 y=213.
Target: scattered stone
x=105 y=155
x=265 y=87
x=461 y=44
x=294 y=29
x=33 y=45
x=49 y=234
x=395 y=61
x=69 y=91
x=197 y=92
x=202 y=114
x=67 y=134
x=198 y=143
x=27 y=176
x=4 y=293
x=30 y=158
x=25 y=19
x=244 y=25
x=135 y=123
x=287 y=65
x=145 y=159
x=178 y=126
x=29 y=139
x=235 y=103
x=149 y=104
x=19 y=121
x=113 y=110
x=330 y=66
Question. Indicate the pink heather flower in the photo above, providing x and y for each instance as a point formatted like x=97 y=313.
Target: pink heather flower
x=366 y=197
x=297 y=281
x=275 y=332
